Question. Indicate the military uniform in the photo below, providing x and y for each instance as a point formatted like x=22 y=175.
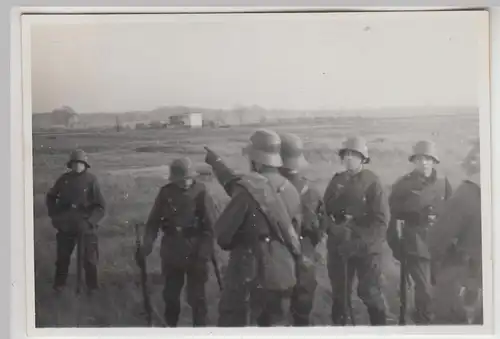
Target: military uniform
x=417 y=200
x=261 y=269
x=455 y=247
x=75 y=205
x=359 y=196
x=184 y=214
x=309 y=231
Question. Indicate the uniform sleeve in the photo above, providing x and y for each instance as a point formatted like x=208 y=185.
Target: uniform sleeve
x=392 y=232
x=296 y=213
x=52 y=196
x=328 y=195
x=447 y=227
x=209 y=213
x=154 y=222
x=312 y=212
x=231 y=219
x=97 y=204
x=398 y=200
x=378 y=215
x=321 y=213
x=448 y=189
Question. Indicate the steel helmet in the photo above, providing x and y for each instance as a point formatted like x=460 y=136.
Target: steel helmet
x=181 y=169
x=264 y=148
x=426 y=148
x=472 y=162
x=78 y=155
x=356 y=144
x=292 y=152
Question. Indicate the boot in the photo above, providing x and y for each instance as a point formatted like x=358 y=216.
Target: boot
x=172 y=315
x=338 y=317
x=199 y=317
x=377 y=316
x=300 y=320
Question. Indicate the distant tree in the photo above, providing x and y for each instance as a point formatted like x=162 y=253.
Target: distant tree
x=64 y=115
x=240 y=111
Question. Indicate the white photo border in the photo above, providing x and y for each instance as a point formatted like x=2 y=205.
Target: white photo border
x=22 y=263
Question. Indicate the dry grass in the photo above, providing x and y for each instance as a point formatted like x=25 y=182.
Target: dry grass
x=131 y=167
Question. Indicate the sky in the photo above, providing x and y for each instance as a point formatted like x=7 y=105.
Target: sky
x=290 y=61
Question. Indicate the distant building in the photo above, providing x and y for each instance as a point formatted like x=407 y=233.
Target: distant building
x=192 y=120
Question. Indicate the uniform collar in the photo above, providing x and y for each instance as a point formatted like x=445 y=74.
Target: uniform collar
x=268 y=170
x=77 y=174
x=475 y=178
x=429 y=179
x=354 y=174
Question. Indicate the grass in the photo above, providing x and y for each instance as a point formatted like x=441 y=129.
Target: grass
x=131 y=167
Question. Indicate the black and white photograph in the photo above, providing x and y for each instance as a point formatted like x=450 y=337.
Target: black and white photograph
x=258 y=170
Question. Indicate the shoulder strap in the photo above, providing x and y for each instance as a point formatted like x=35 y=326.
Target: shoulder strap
x=273 y=209
x=305 y=187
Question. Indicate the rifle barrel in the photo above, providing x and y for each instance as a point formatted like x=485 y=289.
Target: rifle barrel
x=144 y=278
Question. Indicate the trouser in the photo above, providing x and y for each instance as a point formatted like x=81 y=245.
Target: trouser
x=367 y=269
x=239 y=277
x=269 y=308
x=450 y=305
x=419 y=269
x=196 y=275
x=302 y=299
x=66 y=243
x=243 y=301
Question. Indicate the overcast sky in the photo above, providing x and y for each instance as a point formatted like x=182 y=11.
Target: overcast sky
x=276 y=61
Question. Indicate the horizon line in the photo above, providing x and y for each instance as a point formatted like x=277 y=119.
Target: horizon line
x=270 y=109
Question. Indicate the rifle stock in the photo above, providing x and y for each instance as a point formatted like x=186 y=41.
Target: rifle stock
x=141 y=262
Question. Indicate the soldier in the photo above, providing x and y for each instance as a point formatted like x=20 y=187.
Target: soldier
x=182 y=210
x=257 y=227
x=455 y=248
x=417 y=199
x=75 y=205
x=357 y=214
x=309 y=231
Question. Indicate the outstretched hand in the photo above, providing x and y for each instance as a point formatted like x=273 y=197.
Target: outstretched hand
x=211 y=157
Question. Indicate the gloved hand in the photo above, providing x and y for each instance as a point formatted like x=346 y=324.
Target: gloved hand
x=304 y=262
x=351 y=248
x=306 y=273
x=211 y=157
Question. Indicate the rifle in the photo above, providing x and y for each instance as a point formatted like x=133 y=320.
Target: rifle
x=217 y=272
x=141 y=262
x=79 y=262
x=348 y=311
x=403 y=273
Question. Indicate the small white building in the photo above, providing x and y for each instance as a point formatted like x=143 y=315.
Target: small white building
x=195 y=120
x=192 y=120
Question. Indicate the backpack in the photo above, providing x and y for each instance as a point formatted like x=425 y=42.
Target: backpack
x=276 y=254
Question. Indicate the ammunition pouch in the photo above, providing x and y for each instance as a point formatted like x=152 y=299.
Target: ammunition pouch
x=185 y=232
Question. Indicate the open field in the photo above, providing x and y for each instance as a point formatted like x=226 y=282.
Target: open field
x=132 y=165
